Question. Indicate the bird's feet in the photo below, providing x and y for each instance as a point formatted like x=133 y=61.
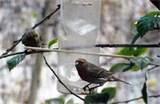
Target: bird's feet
x=85 y=88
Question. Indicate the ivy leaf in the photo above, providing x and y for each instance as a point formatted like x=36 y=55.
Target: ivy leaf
x=101 y=98
x=13 y=62
x=141 y=62
x=51 y=42
x=132 y=51
x=121 y=67
x=146 y=24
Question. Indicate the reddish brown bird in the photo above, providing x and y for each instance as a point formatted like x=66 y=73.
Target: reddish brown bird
x=94 y=74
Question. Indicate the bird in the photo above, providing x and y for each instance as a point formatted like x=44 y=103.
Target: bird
x=156 y=3
x=31 y=38
x=94 y=74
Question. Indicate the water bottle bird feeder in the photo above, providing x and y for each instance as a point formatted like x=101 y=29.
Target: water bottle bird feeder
x=80 y=23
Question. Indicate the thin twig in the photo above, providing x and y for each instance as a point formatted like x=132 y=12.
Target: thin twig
x=36 y=25
x=152 y=68
x=22 y=52
x=134 y=99
x=60 y=79
x=12 y=54
x=12 y=47
x=128 y=45
x=47 y=17
x=116 y=46
x=78 y=52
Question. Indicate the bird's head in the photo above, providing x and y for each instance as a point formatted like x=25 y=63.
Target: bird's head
x=80 y=61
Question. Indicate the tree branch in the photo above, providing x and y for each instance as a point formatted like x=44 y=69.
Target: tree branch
x=60 y=79
x=47 y=17
x=116 y=46
x=128 y=45
x=36 y=25
x=78 y=52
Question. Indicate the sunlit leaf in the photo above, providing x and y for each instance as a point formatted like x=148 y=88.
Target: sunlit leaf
x=52 y=42
x=13 y=62
x=132 y=51
x=153 y=13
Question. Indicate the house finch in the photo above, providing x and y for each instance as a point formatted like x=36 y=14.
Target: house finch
x=156 y=3
x=31 y=38
x=94 y=74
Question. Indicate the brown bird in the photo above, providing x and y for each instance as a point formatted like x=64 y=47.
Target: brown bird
x=156 y=3
x=31 y=38
x=94 y=74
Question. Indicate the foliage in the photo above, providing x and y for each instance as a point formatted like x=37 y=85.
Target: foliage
x=52 y=42
x=101 y=98
x=149 y=22
x=14 y=61
x=132 y=51
x=133 y=64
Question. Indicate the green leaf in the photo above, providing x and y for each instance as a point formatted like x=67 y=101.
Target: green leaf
x=97 y=98
x=141 y=62
x=153 y=13
x=13 y=62
x=101 y=98
x=132 y=51
x=145 y=24
x=121 y=67
x=51 y=42
x=111 y=91
x=59 y=100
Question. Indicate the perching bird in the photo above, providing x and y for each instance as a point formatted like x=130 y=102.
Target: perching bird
x=94 y=74
x=31 y=38
x=156 y=3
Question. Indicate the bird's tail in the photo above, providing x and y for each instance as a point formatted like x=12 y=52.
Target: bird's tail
x=118 y=80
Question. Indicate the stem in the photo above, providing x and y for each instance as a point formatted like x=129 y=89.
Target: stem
x=128 y=45
x=78 y=52
x=60 y=79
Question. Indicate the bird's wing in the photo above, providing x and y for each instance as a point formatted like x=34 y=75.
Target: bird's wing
x=98 y=72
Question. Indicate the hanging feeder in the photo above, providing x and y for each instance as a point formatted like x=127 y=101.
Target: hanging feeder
x=80 y=22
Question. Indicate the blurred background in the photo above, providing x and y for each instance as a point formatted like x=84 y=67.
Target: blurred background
x=18 y=87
